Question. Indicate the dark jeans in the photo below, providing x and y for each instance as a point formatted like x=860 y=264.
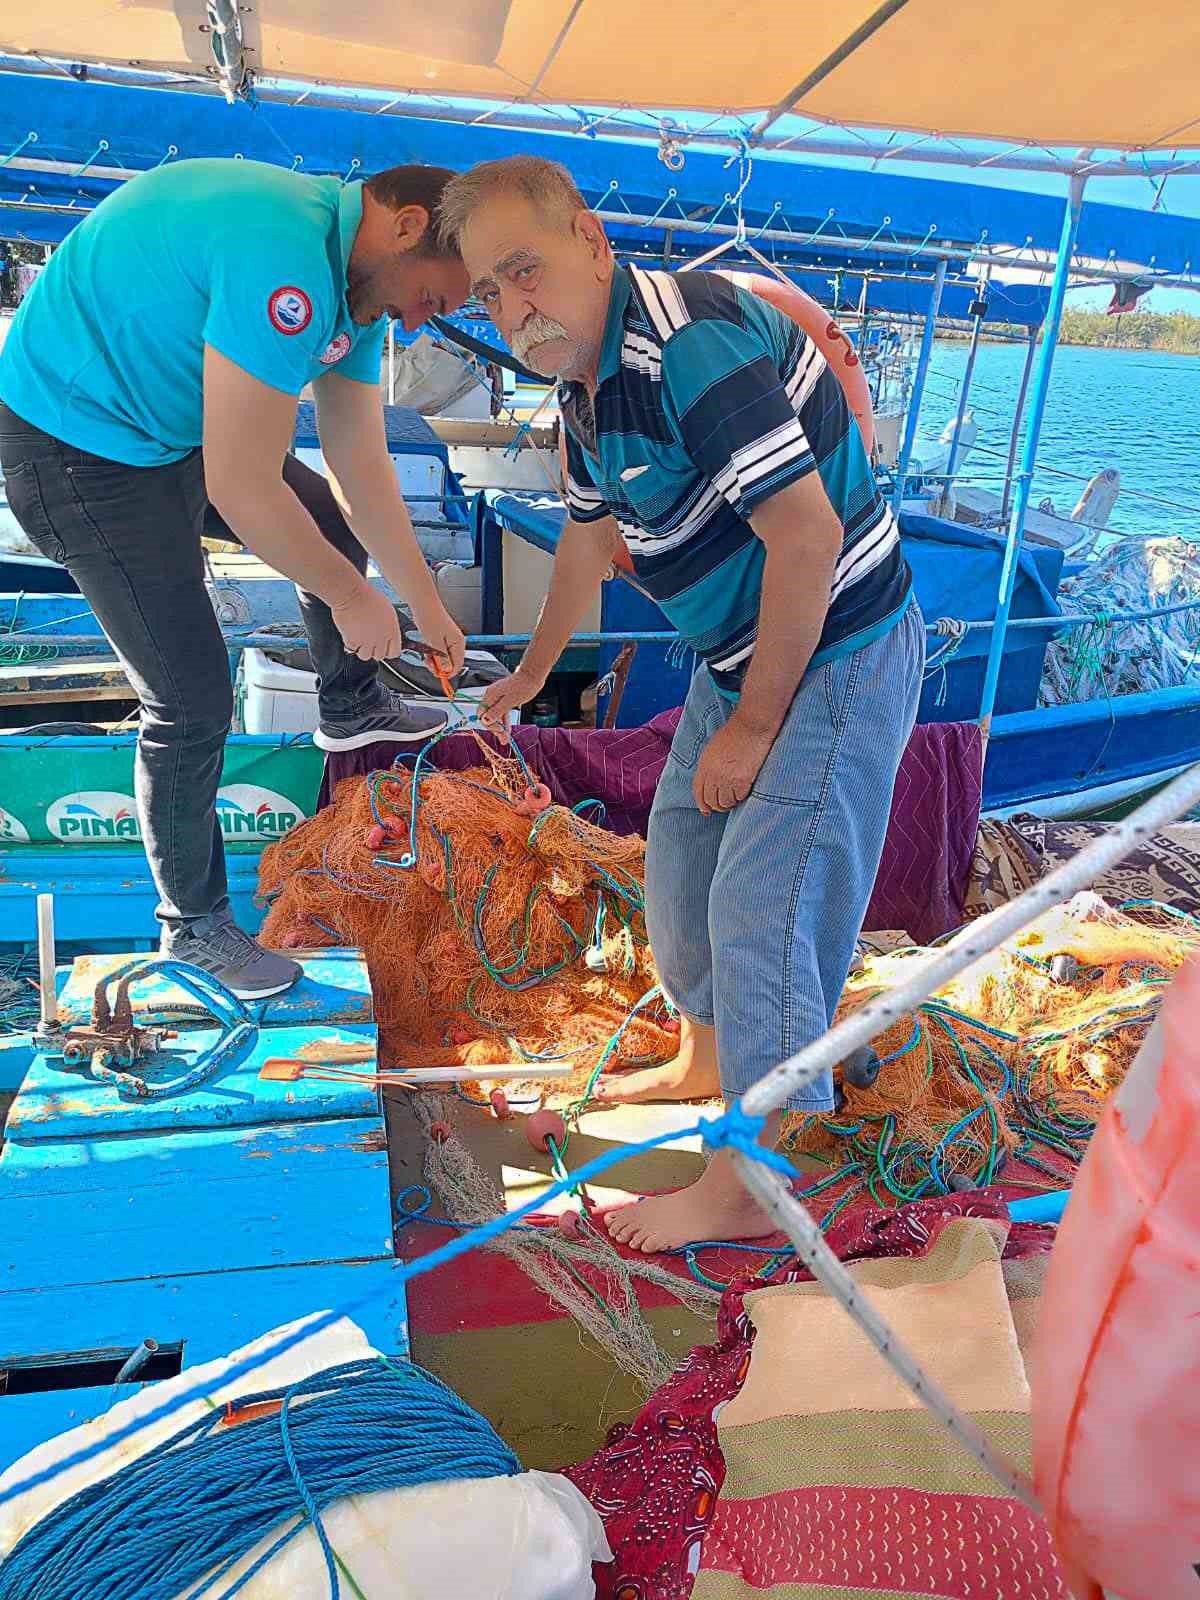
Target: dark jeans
x=130 y=537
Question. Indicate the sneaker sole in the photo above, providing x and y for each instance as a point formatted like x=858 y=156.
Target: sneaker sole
x=355 y=741
x=264 y=994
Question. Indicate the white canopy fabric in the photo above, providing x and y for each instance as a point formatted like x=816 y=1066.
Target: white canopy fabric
x=1100 y=74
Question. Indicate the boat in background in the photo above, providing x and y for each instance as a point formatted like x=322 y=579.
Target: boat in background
x=481 y=473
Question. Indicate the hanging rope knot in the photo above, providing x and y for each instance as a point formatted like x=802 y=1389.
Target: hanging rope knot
x=745 y=166
x=951 y=628
x=954 y=631
x=735 y=1130
x=513 y=449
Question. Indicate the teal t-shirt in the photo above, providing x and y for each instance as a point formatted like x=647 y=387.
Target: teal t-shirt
x=107 y=349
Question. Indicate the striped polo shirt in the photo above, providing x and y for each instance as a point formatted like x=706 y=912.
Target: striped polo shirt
x=708 y=402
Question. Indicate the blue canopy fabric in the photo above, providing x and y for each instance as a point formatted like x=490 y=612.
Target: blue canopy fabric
x=841 y=208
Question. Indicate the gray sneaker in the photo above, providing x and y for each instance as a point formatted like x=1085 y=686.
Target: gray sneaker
x=219 y=946
x=393 y=721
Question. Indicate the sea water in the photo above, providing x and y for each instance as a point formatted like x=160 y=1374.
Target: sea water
x=1136 y=410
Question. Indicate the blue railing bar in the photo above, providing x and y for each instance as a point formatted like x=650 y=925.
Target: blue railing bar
x=93 y=645
x=918 y=384
x=1033 y=434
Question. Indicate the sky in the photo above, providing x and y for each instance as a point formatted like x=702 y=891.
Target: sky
x=1180 y=198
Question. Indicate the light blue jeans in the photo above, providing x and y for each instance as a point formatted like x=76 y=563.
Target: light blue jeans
x=753 y=913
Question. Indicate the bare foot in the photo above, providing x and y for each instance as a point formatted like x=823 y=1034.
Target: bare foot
x=716 y=1206
x=691 y=1075
x=677 y=1079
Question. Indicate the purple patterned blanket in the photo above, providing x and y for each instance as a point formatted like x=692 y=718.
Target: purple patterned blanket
x=922 y=879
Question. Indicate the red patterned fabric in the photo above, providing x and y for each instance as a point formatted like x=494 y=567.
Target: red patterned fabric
x=926 y=862
x=968 y=1547
x=657 y=1480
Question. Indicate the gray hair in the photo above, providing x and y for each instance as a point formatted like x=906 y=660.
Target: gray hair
x=547 y=185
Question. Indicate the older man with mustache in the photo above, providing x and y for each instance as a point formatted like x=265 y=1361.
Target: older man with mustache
x=705 y=429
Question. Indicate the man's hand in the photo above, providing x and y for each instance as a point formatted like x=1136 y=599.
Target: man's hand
x=442 y=634
x=367 y=621
x=728 y=766
x=508 y=695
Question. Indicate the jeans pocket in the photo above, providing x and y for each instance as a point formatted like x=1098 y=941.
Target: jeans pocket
x=24 y=492
x=685 y=751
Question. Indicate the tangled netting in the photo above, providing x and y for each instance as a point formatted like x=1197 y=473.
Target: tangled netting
x=1012 y=1061
x=585 y=1275
x=1113 y=658
x=492 y=931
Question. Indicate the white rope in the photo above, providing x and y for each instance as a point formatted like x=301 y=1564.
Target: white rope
x=774 y=1192
x=969 y=946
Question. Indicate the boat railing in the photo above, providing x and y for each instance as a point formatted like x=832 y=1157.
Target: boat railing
x=87 y=646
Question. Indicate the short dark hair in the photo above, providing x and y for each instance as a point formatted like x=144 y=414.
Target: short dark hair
x=398 y=187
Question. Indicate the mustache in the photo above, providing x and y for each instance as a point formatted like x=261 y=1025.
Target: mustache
x=538 y=330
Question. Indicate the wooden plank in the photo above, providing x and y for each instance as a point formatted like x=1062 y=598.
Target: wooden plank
x=335 y=988
x=56 y=1104
x=84 y=694
x=218 y=1200
x=16 y=1054
x=210 y=1315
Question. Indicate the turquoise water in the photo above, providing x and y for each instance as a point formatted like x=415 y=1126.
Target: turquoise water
x=1136 y=410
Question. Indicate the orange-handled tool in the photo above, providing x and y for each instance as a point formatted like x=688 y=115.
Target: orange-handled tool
x=443 y=677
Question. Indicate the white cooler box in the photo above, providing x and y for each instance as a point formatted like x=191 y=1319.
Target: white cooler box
x=273 y=698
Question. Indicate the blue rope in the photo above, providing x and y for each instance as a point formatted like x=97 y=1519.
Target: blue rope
x=409 y=859
x=735 y=1129
x=205 y=1497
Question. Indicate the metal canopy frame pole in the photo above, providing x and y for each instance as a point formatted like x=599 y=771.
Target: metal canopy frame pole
x=1015 y=439
x=965 y=386
x=1041 y=389
x=918 y=388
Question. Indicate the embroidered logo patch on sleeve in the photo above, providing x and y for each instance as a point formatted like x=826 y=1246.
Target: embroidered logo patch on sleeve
x=336 y=349
x=290 y=310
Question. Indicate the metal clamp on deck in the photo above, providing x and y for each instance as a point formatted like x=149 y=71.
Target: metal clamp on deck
x=114 y=1040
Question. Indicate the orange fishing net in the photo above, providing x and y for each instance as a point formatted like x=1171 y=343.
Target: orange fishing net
x=513 y=933
x=1014 y=1059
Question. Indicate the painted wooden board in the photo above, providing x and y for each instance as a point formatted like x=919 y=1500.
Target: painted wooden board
x=16 y=1053
x=216 y=1200
x=210 y=1315
x=57 y=1104
x=335 y=988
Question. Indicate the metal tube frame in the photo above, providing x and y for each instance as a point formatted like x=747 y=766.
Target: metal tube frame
x=1033 y=434
x=965 y=388
x=918 y=386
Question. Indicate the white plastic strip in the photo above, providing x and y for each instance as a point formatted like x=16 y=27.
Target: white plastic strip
x=46 y=960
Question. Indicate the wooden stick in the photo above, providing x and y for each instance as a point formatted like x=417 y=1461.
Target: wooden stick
x=289 y=1069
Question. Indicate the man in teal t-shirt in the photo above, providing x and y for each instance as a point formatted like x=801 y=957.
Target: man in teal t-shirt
x=148 y=393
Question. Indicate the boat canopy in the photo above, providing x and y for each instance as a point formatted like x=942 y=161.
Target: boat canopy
x=66 y=143
x=1053 y=72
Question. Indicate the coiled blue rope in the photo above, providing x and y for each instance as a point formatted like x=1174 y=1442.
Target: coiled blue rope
x=178 y=1519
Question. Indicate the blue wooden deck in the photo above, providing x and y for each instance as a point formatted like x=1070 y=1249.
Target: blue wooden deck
x=208 y=1314
x=334 y=988
x=201 y=1220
